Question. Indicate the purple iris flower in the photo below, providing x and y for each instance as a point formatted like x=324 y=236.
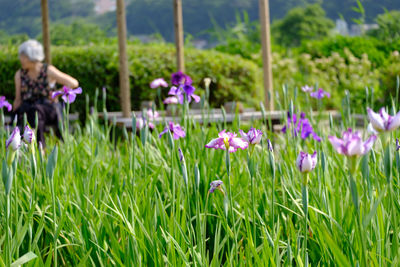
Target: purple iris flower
x=227 y=140
x=216 y=185
x=351 y=143
x=306 y=162
x=253 y=137
x=5 y=103
x=383 y=122
x=183 y=86
x=307 y=88
x=28 y=135
x=180 y=78
x=397 y=144
x=159 y=82
x=14 y=141
x=182 y=90
x=175 y=129
x=68 y=94
x=301 y=126
x=320 y=94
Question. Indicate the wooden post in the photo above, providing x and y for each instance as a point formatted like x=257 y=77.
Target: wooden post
x=46 y=31
x=266 y=54
x=178 y=27
x=125 y=94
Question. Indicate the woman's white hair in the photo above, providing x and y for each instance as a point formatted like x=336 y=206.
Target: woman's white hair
x=32 y=49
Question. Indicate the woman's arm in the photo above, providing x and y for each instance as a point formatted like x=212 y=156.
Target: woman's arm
x=17 y=100
x=60 y=77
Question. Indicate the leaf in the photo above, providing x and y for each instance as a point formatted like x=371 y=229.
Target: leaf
x=51 y=163
x=7 y=174
x=354 y=193
x=24 y=259
x=387 y=164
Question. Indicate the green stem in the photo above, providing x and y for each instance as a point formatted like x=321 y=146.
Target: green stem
x=54 y=222
x=231 y=201
x=305 y=209
x=362 y=239
x=253 y=202
x=8 y=244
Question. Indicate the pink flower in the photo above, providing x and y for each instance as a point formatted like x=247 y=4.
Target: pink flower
x=228 y=141
x=171 y=100
x=351 y=144
x=307 y=88
x=383 y=121
x=175 y=129
x=159 y=82
x=252 y=137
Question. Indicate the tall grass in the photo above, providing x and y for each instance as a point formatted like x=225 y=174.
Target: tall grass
x=130 y=202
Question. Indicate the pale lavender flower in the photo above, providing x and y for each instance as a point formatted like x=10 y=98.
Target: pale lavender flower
x=171 y=100
x=397 y=144
x=227 y=140
x=5 y=103
x=67 y=94
x=383 y=122
x=253 y=136
x=306 y=162
x=14 y=141
x=28 y=135
x=270 y=147
x=175 y=129
x=307 y=88
x=152 y=115
x=320 y=93
x=141 y=122
x=159 y=82
x=217 y=184
x=351 y=143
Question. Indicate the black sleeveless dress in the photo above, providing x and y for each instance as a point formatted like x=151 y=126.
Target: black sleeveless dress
x=35 y=96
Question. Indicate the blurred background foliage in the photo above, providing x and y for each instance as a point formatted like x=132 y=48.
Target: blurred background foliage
x=306 y=48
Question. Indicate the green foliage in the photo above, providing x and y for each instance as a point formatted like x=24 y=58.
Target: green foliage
x=389 y=73
x=358 y=46
x=96 y=66
x=77 y=33
x=308 y=23
x=241 y=38
x=389 y=26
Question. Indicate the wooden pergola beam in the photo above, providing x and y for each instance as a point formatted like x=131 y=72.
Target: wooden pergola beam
x=178 y=28
x=125 y=94
x=266 y=54
x=46 y=30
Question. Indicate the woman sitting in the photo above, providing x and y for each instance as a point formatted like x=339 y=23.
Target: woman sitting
x=34 y=83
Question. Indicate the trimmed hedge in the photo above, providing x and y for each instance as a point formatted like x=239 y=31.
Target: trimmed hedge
x=376 y=50
x=234 y=78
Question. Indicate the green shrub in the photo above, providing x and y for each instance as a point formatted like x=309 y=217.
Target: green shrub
x=389 y=73
x=375 y=49
x=234 y=78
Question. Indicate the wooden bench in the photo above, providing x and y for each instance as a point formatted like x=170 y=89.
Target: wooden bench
x=216 y=116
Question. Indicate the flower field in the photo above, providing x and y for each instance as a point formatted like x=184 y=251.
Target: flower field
x=323 y=192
